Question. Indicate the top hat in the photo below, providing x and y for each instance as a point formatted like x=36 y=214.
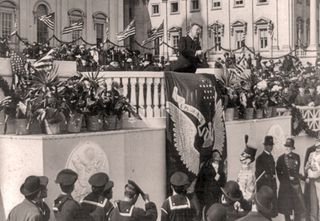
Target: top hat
x=133 y=187
x=268 y=140
x=216 y=212
x=263 y=200
x=31 y=185
x=289 y=143
x=179 y=179
x=66 y=177
x=98 y=179
x=232 y=191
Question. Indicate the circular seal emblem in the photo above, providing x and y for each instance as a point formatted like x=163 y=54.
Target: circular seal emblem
x=278 y=138
x=86 y=159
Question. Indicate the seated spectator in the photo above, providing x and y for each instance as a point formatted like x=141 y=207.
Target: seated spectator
x=148 y=64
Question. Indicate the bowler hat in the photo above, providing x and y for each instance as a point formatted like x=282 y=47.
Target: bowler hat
x=289 y=143
x=66 y=177
x=179 y=179
x=98 y=179
x=263 y=200
x=232 y=191
x=31 y=185
x=148 y=57
x=216 y=212
x=44 y=180
x=268 y=140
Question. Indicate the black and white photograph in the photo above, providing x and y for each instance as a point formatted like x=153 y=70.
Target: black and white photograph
x=160 y=110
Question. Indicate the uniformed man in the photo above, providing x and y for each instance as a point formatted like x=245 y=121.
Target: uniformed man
x=180 y=206
x=96 y=203
x=290 y=192
x=44 y=208
x=266 y=171
x=125 y=210
x=28 y=209
x=106 y=199
x=65 y=207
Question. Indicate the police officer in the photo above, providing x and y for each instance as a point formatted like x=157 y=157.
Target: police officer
x=96 y=203
x=180 y=206
x=65 y=207
x=125 y=210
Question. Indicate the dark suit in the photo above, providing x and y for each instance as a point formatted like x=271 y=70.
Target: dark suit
x=207 y=188
x=25 y=211
x=125 y=211
x=254 y=216
x=290 y=193
x=265 y=163
x=187 y=61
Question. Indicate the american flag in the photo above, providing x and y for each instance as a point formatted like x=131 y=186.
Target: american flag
x=49 y=20
x=128 y=31
x=78 y=26
x=18 y=62
x=45 y=63
x=155 y=34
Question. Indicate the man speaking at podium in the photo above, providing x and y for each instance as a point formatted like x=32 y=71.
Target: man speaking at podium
x=189 y=51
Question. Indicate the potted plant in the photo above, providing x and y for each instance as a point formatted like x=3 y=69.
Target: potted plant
x=94 y=87
x=116 y=104
x=75 y=102
x=46 y=94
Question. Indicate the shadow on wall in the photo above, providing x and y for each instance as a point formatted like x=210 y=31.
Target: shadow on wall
x=2 y=214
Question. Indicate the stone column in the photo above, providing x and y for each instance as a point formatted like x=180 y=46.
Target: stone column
x=313 y=46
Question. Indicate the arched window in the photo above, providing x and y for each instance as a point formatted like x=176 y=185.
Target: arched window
x=76 y=16
x=174 y=37
x=239 y=31
x=7 y=17
x=217 y=30
x=42 y=29
x=100 y=25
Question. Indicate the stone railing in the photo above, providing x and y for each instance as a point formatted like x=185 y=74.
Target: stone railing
x=311 y=116
x=145 y=90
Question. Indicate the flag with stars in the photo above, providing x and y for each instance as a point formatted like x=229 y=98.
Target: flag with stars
x=18 y=62
x=195 y=125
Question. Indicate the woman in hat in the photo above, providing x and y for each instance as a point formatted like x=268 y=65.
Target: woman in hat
x=290 y=193
x=246 y=176
x=312 y=169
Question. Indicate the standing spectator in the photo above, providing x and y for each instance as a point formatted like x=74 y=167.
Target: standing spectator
x=312 y=169
x=147 y=63
x=65 y=207
x=28 y=209
x=232 y=199
x=258 y=61
x=44 y=208
x=210 y=179
x=249 y=61
x=125 y=210
x=290 y=192
x=262 y=207
x=180 y=206
x=4 y=49
x=216 y=212
x=266 y=171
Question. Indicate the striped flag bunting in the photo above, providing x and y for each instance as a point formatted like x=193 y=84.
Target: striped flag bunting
x=18 y=62
x=155 y=34
x=127 y=32
x=49 y=20
x=78 y=26
x=45 y=63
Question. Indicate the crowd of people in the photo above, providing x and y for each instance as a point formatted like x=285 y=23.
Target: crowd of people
x=254 y=195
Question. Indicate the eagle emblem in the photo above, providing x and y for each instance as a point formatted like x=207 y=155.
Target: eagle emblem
x=185 y=131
